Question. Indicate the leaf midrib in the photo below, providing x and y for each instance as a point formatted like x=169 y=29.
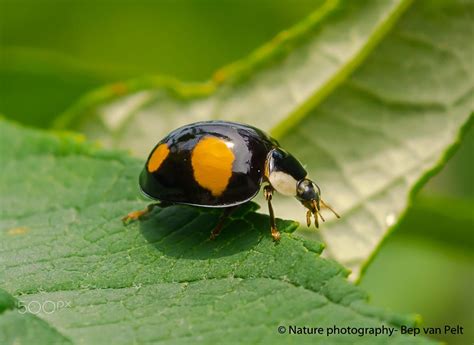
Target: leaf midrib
x=342 y=74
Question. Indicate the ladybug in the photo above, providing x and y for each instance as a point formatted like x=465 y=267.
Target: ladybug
x=223 y=164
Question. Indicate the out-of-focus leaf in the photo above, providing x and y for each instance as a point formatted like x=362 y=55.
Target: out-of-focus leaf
x=447 y=220
x=43 y=70
x=36 y=86
x=456 y=177
x=289 y=74
x=187 y=38
x=427 y=265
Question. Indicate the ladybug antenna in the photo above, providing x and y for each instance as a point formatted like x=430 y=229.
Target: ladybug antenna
x=322 y=218
x=329 y=208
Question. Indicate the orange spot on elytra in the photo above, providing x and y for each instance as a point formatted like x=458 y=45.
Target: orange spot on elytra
x=157 y=157
x=212 y=164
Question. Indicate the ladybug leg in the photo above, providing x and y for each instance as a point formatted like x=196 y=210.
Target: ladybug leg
x=220 y=224
x=135 y=215
x=268 y=192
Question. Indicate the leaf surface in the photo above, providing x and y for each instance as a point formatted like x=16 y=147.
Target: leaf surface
x=158 y=280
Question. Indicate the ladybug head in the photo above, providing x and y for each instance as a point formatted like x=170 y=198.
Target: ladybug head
x=307 y=191
x=309 y=194
x=288 y=177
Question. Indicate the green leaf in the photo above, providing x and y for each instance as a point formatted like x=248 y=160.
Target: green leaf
x=19 y=327
x=433 y=215
x=159 y=38
x=62 y=244
x=369 y=142
x=16 y=328
x=50 y=83
x=431 y=255
x=6 y=301
x=52 y=71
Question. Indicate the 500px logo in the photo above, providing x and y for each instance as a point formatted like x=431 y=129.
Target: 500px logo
x=43 y=307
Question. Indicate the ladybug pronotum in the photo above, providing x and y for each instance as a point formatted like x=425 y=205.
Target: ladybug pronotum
x=223 y=165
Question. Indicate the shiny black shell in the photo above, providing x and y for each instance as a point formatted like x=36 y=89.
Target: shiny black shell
x=174 y=180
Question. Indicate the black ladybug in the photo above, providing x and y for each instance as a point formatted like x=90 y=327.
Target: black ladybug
x=223 y=164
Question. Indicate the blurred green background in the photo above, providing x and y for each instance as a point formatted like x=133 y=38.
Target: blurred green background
x=53 y=52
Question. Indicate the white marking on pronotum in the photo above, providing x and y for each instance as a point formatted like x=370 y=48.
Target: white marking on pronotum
x=283 y=183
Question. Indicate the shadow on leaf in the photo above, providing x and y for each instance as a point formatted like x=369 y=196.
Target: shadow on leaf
x=183 y=231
